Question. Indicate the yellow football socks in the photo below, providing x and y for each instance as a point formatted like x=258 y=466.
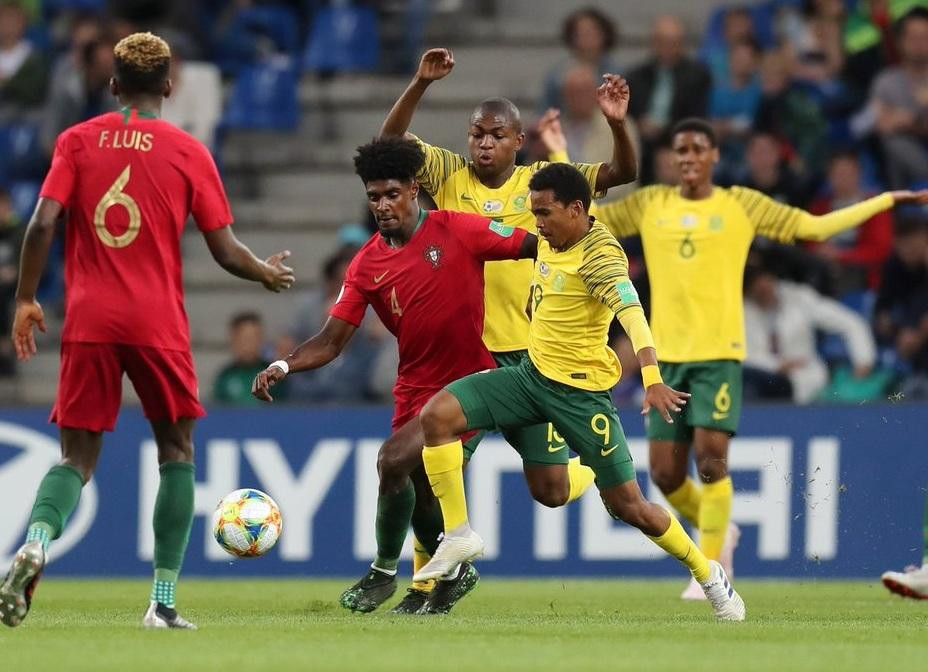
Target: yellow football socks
x=686 y=500
x=676 y=542
x=444 y=467
x=714 y=516
x=419 y=559
x=581 y=477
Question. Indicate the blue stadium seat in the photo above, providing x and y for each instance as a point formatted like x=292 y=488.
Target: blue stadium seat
x=343 y=39
x=242 y=43
x=24 y=195
x=21 y=156
x=264 y=97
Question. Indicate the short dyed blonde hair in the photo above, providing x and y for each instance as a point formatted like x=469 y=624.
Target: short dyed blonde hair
x=142 y=63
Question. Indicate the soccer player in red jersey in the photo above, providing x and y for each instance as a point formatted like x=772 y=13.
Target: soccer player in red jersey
x=128 y=182
x=423 y=276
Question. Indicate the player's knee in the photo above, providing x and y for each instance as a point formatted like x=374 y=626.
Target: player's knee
x=175 y=450
x=711 y=467
x=551 y=495
x=667 y=477
x=438 y=416
x=390 y=463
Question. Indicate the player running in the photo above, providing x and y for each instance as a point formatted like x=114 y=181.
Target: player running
x=696 y=239
x=492 y=185
x=423 y=275
x=580 y=283
x=129 y=181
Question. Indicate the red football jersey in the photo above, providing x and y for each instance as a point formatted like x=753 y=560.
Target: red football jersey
x=129 y=184
x=429 y=294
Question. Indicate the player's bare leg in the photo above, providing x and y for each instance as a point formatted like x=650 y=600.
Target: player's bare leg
x=626 y=503
x=548 y=484
x=172 y=520
x=57 y=497
x=718 y=536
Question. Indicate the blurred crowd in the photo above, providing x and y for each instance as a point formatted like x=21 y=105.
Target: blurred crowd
x=817 y=103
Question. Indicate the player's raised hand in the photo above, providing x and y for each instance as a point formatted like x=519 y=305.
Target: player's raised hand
x=279 y=275
x=910 y=197
x=612 y=97
x=435 y=64
x=664 y=399
x=265 y=380
x=28 y=315
x=550 y=131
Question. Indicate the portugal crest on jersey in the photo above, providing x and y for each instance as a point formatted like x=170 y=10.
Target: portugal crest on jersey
x=433 y=255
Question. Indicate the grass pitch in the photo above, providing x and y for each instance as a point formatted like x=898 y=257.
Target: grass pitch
x=503 y=625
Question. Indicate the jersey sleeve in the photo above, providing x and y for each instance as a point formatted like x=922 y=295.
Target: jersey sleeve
x=59 y=183
x=769 y=218
x=589 y=170
x=623 y=217
x=485 y=239
x=351 y=303
x=209 y=204
x=604 y=271
x=439 y=165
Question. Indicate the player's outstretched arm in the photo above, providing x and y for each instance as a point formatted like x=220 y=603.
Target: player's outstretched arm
x=38 y=240
x=824 y=227
x=435 y=64
x=613 y=96
x=312 y=354
x=234 y=256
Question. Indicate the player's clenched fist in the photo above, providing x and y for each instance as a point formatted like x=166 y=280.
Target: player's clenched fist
x=265 y=380
x=435 y=64
x=279 y=275
x=612 y=97
x=664 y=399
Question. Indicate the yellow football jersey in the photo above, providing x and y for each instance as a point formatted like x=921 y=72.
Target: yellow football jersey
x=695 y=251
x=575 y=295
x=450 y=180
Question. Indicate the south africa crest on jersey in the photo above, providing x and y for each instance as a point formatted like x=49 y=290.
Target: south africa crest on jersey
x=433 y=255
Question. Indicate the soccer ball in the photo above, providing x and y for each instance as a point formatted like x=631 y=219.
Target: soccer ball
x=247 y=523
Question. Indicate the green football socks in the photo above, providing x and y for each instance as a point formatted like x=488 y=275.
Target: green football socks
x=394 y=511
x=172 y=522
x=58 y=495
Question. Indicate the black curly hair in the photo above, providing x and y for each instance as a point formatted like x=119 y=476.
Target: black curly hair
x=567 y=183
x=389 y=159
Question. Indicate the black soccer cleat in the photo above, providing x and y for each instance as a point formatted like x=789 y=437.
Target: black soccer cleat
x=448 y=592
x=160 y=617
x=413 y=602
x=370 y=592
x=19 y=584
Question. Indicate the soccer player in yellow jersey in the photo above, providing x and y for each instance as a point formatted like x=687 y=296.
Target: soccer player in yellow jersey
x=580 y=283
x=696 y=239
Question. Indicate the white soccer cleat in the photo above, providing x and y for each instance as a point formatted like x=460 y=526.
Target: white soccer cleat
x=726 y=603
x=461 y=545
x=913 y=582
x=160 y=617
x=694 y=591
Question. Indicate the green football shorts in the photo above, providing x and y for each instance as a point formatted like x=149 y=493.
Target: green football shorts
x=519 y=396
x=715 y=404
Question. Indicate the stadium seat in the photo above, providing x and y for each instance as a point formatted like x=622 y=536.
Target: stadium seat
x=21 y=155
x=244 y=42
x=24 y=195
x=264 y=97
x=343 y=39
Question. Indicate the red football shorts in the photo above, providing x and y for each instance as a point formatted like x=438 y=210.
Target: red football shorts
x=407 y=406
x=90 y=385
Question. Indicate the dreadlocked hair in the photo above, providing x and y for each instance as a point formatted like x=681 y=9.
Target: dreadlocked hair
x=142 y=62
x=389 y=159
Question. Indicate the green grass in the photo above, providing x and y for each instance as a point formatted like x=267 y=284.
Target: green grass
x=503 y=625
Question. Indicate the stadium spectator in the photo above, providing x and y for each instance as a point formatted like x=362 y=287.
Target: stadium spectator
x=667 y=87
x=856 y=256
x=734 y=101
x=811 y=38
x=589 y=36
x=246 y=341
x=901 y=312
x=768 y=172
x=23 y=73
x=900 y=103
x=363 y=371
x=870 y=40
x=82 y=93
x=781 y=322
x=83 y=29
x=195 y=104
x=737 y=26
x=11 y=234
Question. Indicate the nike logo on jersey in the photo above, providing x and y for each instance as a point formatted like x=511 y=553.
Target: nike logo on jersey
x=465 y=197
x=378 y=278
x=716 y=415
x=607 y=453
x=554 y=449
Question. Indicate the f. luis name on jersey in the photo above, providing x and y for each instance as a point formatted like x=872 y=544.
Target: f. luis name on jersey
x=126 y=139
